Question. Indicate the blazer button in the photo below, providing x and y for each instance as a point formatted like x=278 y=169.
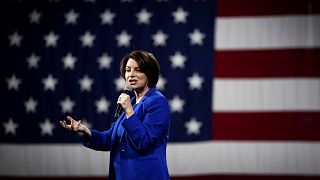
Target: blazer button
x=122 y=150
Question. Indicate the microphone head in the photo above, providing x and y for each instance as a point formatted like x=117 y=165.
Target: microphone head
x=127 y=89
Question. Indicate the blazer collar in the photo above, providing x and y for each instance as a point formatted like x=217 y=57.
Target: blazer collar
x=151 y=90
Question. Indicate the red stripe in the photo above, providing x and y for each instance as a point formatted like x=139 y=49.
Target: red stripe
x=268 y=63
x=204 y=177
x=246 y=177
x=266 y=126
x=266 y=7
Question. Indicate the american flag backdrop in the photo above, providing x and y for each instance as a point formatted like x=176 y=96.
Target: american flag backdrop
x=241 y=78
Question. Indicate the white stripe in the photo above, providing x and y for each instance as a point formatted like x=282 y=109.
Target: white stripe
x=267 y=32
x=212 y=157
x=245 y=158
x=52 y=160
x=280 y=94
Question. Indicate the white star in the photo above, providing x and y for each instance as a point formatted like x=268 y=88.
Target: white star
x=195 y=81
x=143 y=16
x=178 y=60
x=13 y=82
x=159 y=39
x=67 y=105
x=161 y=83
x=196 y=37
x=71 y=17
x=46 y=127
x=120 y=83
x=33 y=61
x=69 y=61
x=50 y=83
x=105 y=61
x=15 y=39
x=180 y=15
x=30 y=105
x=51 y=39
x=10 y=127
x=35 y=17
x=193 y=126
x=176 y=104
x=123 y=39
x=107 y=17
x=87 y=39
x=85 y=83
x=102 y=105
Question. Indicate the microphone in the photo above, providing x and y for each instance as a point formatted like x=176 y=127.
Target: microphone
x=127 y=90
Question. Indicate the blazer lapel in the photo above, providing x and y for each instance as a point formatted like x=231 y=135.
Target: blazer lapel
x=115 y=128
x=151 y=90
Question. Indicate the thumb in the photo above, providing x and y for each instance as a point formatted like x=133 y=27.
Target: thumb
x=70 y=119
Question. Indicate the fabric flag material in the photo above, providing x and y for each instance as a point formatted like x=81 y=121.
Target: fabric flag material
x=242 y=80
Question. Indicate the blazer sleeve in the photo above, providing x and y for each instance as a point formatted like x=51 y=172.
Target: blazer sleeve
x=144 y=133
x=100 y=141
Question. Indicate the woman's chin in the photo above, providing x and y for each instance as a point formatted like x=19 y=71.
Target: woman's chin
x=133 y=85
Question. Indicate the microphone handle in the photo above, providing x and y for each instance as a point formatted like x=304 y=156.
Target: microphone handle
x=118 y=111
x=119 y=108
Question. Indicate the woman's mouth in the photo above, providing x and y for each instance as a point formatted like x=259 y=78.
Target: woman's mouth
x=132 y=82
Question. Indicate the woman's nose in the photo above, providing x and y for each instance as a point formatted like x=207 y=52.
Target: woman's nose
x=132 y=73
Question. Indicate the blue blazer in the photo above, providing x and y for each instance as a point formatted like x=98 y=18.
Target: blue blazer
x=142 y=146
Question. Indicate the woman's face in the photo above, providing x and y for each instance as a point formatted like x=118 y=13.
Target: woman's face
x=134 y=77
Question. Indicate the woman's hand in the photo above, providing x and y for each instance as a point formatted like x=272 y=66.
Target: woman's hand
x=124 y=100
x=75 y=126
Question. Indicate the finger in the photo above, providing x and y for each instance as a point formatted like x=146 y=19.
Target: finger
x=63 y=124
x=125 y=97
x=72 y=121
x=66 y=125
x=78 y=124
x=119 y=100
x=70 y=118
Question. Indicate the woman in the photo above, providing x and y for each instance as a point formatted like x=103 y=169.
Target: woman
x=137 y=141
